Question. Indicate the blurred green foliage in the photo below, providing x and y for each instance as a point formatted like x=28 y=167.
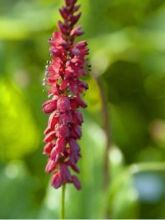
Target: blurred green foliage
x=126 y=40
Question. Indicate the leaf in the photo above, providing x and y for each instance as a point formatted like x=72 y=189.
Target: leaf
x=18 y=132
x=123 y=198
x=17 y=190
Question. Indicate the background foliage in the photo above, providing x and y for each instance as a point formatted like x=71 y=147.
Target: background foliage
x=126 y=39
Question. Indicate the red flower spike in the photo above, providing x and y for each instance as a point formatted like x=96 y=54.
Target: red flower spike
x=65 y=89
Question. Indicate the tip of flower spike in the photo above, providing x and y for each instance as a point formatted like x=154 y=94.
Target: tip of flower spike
x=70 y=2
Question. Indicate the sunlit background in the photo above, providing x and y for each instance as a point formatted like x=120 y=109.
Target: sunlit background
x=127 y=53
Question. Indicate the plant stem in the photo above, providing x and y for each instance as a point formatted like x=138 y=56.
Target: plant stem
x=62 y=216
x=106 y=119
x=107 y=131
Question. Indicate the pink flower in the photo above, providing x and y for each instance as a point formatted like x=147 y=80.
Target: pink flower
x=67 y=66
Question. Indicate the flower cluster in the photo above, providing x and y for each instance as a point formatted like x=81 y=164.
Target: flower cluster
x=65 y=87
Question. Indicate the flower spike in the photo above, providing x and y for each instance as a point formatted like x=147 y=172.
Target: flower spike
x=65 y=88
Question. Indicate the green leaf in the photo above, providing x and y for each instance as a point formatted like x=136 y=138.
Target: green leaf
x=123 y=198
x=18 y=133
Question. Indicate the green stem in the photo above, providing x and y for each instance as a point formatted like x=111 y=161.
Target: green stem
x=62 y=216
x=107 y=131
x=106 y=125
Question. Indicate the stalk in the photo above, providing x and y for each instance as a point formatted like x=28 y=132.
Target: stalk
x=62 y=214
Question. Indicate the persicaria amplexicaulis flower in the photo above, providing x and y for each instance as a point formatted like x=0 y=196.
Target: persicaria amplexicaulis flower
x=65 y=87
